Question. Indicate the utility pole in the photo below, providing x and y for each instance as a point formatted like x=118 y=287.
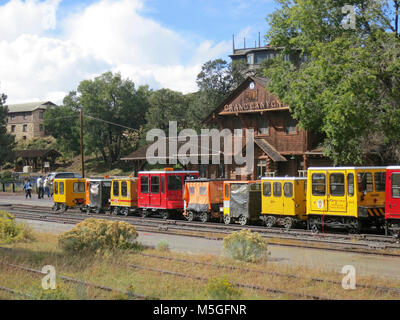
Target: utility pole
x=82 y=156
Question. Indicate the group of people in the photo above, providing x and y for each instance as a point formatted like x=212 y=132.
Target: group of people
x=42 y=187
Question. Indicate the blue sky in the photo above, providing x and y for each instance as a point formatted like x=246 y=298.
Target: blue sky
x=48 y=46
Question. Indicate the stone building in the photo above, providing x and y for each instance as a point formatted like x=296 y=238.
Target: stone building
x=25 y=121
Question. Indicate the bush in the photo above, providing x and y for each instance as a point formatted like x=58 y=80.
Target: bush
x=96 y=235
x=246 y=246
x=163 y=246
x=60 y=293
x=11 y=231
x=222 y=289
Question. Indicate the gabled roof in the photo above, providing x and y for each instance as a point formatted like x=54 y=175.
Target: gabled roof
x=36 y=153
x=269 y=150
x=261 y=81
x=29 y=107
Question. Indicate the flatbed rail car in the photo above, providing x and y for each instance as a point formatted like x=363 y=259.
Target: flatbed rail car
x=283 y=201
x=203 y=199
x=346 y=197
x=69 y=193
x=242 y=201
x=161 y=192
x=392 y=201
x=124 y=196
x=98 y=193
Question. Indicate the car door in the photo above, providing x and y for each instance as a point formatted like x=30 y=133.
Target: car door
x=155 y=191
x=318 y=197
x=144 y=190
x=337 y=196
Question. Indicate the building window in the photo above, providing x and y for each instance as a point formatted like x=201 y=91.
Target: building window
x=237 y=127
x=203 y=171
x=24 y=138
x=41 y=115
x=12 y=117
x=263 y=126
x=250 y=58
x=13 y=128
x=25 y=128
x=25 y=116
x=261 y=168
x=41 y=127
x=291 y=126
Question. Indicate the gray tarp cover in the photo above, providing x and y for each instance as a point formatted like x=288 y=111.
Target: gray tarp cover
x=239 y=203
x=245 y=200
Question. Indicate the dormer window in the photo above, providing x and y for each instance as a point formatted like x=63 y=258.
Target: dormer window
x=263 y=126
x=291 y=125
x=250 y=58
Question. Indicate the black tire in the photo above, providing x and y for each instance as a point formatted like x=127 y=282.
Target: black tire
x=115 y=211
x=227 y=219
x=243 y=220
x=204 y=217
x=269 y=222
x=165 y=215
x=125 y=212
x=190 y=216
x=288 y=223
x=63 y=208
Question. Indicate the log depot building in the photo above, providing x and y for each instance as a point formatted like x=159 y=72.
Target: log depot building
x=280 y=146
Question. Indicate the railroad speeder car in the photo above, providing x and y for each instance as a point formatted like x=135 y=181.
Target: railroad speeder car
x=392 y=201
x=161 y=192
x=283 y=201
x=350 y=197
x=203 y=199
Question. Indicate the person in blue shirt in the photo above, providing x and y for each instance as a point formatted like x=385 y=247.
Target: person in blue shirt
x=28 y=189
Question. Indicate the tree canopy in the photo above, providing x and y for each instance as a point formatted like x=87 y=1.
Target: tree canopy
x=6 y=140
x=114 y=112
x=347 y=86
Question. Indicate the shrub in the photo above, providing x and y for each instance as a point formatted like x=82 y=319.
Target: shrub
x=60 y=293
x=222 y=289
x=163 y=246
x=96 y=235
x=246 y=246
x=11 y=231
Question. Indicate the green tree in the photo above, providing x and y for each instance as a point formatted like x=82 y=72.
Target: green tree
x=6 y=140
x=62 y=122
x=165 y=106
x=114 y=113
x=347 y=86
x=111 y=106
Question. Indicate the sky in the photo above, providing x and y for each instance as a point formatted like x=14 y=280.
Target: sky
x=48 y=46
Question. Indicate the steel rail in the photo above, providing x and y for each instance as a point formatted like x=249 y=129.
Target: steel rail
x=73 y=280
x=292 y=276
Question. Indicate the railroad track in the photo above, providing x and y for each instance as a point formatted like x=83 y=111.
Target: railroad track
x=363 y=243
x=66 y=279
x=395 y=291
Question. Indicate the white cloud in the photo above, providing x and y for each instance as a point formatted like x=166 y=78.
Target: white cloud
x=18 y=17
x=106 y=35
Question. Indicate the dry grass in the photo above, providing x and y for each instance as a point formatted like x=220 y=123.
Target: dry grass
x=111 y=269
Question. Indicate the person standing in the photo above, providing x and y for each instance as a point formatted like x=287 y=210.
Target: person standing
x=28 y=189
x=40 y=189
x=46 y=187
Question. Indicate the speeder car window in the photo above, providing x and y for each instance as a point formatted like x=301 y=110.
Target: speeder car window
x=174 y=183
